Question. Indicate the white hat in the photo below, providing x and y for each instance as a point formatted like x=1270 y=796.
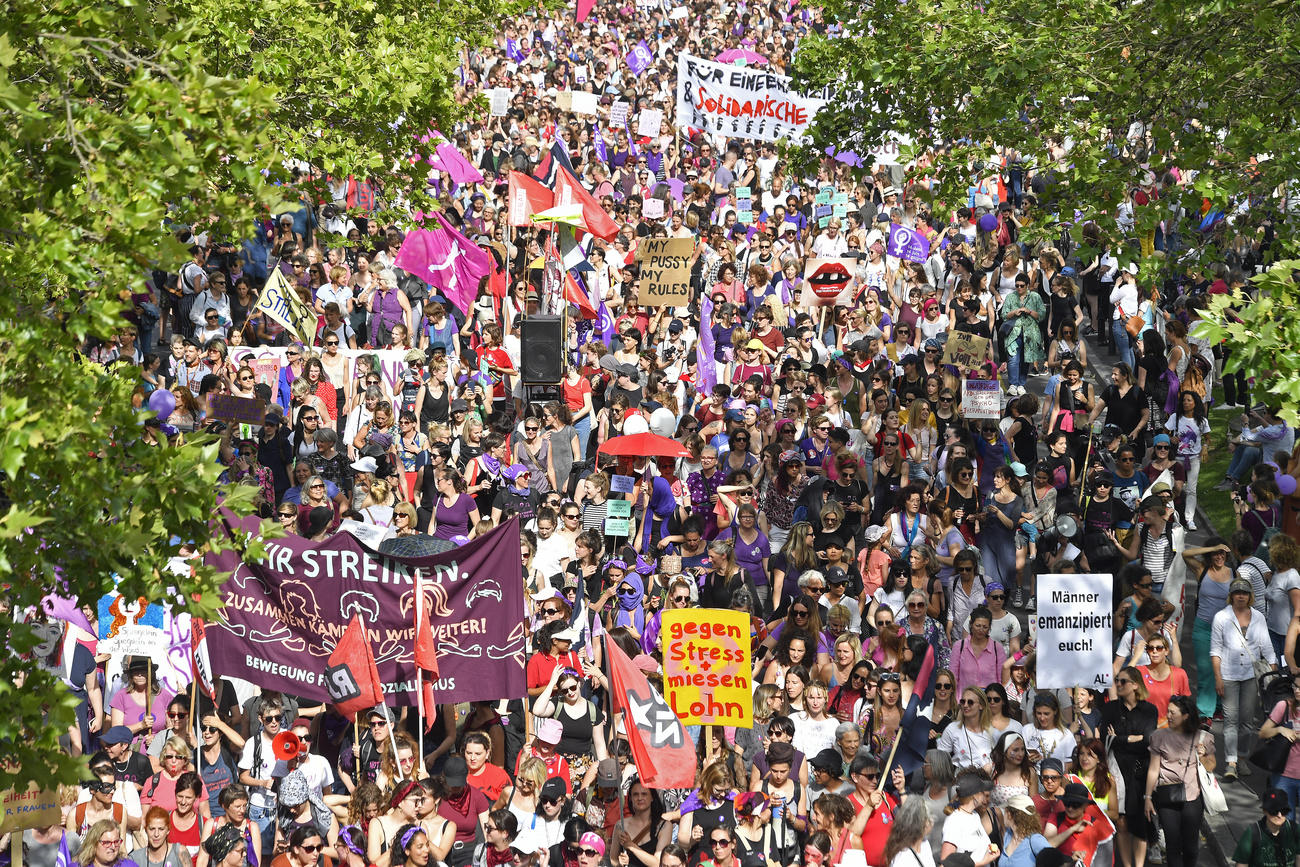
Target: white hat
x=365 y=465
x=569 y=635
x=789 y=227
x=874 y=534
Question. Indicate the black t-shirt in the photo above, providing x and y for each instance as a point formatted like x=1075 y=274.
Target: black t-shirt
x=1125 y=410
x=507 y=500
x=1106 y=515
x=135 y=768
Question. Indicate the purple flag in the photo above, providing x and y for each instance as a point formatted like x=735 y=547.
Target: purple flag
x=448 y=158
x=513 y=52
x=284 y=615
x=909 y=244
x=600 y=145
x=705 y=362
x=606 y=322
x=639 y=58
x=445 y=258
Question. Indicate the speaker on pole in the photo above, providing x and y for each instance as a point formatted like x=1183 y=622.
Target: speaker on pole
x=541 y=349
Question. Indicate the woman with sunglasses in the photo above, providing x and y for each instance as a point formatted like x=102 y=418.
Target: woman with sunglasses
x=1129 y=724
x=1162 y=680
x=882 y=719
x=403 y=810
x=1004 y=712
x=583 y=741
x=103 y=845
x=919 y=622
x=969 y=738
x=103 y=806
x=160 y=789
x=852 y=691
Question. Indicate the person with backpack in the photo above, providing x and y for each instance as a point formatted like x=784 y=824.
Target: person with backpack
x=1274 y=840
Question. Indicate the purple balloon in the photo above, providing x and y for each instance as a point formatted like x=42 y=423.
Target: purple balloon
x=163 y=402
x=988 y=222
x=1287 y=485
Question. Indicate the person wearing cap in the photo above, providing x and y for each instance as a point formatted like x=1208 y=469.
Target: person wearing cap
x=547 y=733
x=825 y=770
x=1047 y=796
x=1239 y=645
x=963 y=830
x=1022 y=831
x=128 y=765
x=1274 y=838
x=1083 y=827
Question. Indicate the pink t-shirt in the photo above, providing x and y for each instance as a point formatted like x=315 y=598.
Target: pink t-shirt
x=133 y=711
x=1278 y=716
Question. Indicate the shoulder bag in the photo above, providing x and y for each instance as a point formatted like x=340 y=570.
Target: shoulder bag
x=1173 y=795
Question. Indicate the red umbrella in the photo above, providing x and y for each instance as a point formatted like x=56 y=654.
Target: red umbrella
x=645 y=445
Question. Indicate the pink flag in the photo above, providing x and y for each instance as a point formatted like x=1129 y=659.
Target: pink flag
x=449 y=159
x=584 y=9
x=447 y=260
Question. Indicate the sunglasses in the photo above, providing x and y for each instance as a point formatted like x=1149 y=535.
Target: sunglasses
x=681 y=599
x=550 y=801
x=881 y=624
x=587 y=852
x=209 y=730
x=1049 y=778
x=997 y=596
x=178 y=714
x=1121 y=681
x=723 y=843
x=965 y=568
x=170 y=757
x=916 y=605
x=311 y=849
x=288 y=515
x=968 y=702
x=799 y=612
x=939 y=686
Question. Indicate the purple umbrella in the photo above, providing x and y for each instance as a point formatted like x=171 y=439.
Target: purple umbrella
x=849 y=158
x=740 y=55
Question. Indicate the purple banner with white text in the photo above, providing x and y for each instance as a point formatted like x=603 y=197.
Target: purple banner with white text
x=283 y=616
x=909 y=244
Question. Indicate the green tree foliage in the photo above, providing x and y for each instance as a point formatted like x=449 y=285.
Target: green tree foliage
x=122 y=119
x=1095 y=92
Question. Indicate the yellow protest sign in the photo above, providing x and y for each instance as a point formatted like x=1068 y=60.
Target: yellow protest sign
x=707 y=670
x=280 y=301
x=34 y=808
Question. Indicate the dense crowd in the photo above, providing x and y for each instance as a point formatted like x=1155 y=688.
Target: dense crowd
x=818 y=471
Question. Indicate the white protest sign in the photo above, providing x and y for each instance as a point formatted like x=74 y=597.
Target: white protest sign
x=981 y=398
x=653 y=208
x=1075 y=628
x=584 y=103
x=500 y=101
x=391 y=362
x=618 y=114
x=742 y=102
x=580 y=74
x=649 y=121
x=679 y=13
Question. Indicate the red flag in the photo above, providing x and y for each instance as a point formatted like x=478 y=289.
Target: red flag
x=525 y=197
x=568 y=191
x=573 y=294
x=352 y=677
x=663 y=753
x=200 y=663
x=426 y=656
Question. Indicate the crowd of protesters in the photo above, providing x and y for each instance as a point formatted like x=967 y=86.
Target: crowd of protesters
x=827 y=482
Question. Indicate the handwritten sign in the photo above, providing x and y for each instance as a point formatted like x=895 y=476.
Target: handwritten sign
x=652 y=208
x=621 y=484
x=500 y=101
x=618 y=114
x=618 y=527
x=965 y=351
x=267 y=372
x=240 y=410
x=981 y=398
x=707 y=671
x=679 y=13
x=649 y=121
x=1074 y=631
x=619 y=509
x=34 y=808
x=665 y=271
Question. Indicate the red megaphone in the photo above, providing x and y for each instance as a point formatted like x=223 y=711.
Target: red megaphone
x=287 y=746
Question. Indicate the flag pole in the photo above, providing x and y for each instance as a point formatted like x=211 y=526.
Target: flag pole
x=198 y=726
x=419 y=672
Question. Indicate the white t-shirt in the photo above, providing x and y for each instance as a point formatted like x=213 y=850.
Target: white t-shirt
x=921 y=857
x=1187 y=435
x=1003 y=630
x=969 y=749
x=813 y=736
x=965 y=831
x=269 y=768
x=1052 y=743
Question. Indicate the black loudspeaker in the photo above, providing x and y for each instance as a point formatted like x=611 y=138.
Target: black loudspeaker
x=541 y=349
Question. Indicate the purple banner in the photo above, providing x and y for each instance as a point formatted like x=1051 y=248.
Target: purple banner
x=909 y=244
x=283 y=616
x=639 y=58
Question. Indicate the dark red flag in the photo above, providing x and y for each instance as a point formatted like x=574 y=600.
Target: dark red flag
x=426 y=656
x=661 y=749
x=200 y=662
x=574 y=295
x=352 y=678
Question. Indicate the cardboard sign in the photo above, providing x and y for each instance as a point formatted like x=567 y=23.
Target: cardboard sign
x=649 y=121
x=829 y=281
x=652 y=208
x=34 y=808
x=965 y=351
x=1074 y=632
x=239 y=410
x=580 y=74
x=618 y=527
x=707 y=671
x=981 y=398
x=665 y=271
x=671 y=564
x=619 y=509
x=564 y=100
x=500 y=101
x=621 y=484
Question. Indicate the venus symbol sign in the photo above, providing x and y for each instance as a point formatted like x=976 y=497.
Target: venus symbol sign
x=905 y=243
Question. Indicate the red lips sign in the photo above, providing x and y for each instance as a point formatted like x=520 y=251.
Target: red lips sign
x=830 y=281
